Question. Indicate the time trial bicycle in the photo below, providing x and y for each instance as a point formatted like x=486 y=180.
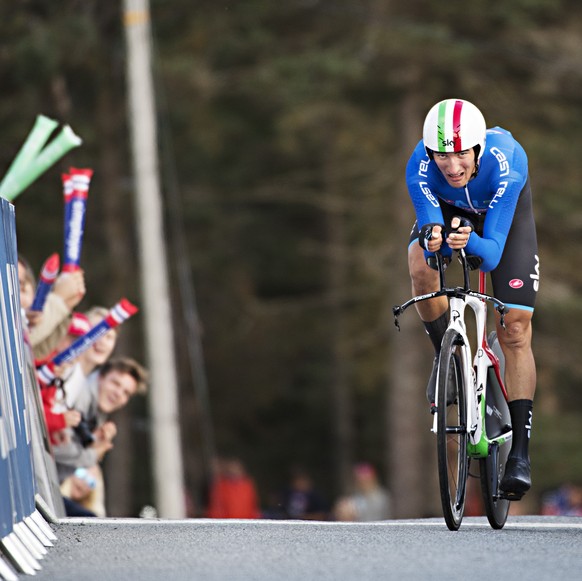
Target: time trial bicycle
x=471 y=418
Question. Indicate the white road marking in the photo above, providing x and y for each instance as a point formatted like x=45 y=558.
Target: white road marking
x=467 y=523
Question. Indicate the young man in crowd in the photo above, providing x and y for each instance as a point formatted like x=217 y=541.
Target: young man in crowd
x=108 y=390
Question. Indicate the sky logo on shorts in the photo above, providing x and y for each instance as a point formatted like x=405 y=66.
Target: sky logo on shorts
x=516 y=283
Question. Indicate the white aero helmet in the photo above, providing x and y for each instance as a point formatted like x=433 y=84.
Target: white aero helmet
x=454 y=125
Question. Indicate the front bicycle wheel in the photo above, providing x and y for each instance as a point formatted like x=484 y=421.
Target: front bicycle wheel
x=497 y=422
x=453 y=462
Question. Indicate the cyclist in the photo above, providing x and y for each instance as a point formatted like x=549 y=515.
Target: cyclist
x=470 y=189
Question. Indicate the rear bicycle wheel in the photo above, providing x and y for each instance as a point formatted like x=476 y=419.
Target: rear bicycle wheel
x=453 y=462
x=491 y=469
x=497 y=422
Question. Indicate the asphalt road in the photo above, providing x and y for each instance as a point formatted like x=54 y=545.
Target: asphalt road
x=528 y=548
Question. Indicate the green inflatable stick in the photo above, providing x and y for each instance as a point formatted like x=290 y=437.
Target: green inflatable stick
x=38 y=136
x=18 y=179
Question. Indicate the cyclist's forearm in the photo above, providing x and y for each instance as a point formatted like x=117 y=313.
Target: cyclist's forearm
x=489 y=249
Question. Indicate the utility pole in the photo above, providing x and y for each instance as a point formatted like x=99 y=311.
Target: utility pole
x=163 y=396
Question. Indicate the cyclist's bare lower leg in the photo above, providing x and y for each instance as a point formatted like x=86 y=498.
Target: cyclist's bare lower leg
x=515 y=341
x=434 y=313
x=520 y=381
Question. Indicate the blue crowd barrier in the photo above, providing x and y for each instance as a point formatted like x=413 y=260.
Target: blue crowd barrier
x=24 y=534
x=6 y=511
x=12 y=370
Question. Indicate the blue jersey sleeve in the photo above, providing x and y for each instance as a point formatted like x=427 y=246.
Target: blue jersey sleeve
x=505 y=169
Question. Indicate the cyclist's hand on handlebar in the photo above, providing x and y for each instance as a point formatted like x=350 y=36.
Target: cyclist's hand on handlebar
x=431 y=237
x=458 y=236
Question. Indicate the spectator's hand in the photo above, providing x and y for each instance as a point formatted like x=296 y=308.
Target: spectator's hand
x=33 y=317
x=80 y=488
x=72 y=418
x=101 y=448
x=70 y=286
x=107 y=431
x=61 y=370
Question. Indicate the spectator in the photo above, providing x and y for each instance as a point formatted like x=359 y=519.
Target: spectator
x=369 y=502
x=47 y=329
x=108 y=389
x=27 y=284
x=88 y=361
x=78 y=327
x=102 y=349
x=58 y=416
x=67 y=292
x=233 y=493
x=81 y=494
x=564 y=501
x=300 y=500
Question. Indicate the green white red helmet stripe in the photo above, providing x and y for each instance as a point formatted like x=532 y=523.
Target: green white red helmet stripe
x=449 y=126
x=454 y=125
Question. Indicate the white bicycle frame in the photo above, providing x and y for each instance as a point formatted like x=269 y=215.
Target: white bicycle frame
x=475 y=373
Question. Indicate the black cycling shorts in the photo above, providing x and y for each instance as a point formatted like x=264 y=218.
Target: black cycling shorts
x=516 y=278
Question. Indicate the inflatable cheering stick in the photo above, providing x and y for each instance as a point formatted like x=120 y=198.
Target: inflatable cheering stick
x=116 y=316
x=75 y=191
x=48 y=275
x=34 y=157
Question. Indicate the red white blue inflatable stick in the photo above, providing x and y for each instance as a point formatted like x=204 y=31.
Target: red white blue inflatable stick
x=117 y=315
x=48 y=275
x=75 y=191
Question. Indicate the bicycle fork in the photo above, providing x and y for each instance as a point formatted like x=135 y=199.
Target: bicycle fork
x=474 y=385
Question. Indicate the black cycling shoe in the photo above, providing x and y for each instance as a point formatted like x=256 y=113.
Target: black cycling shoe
x=517 y=478
x=431 y=387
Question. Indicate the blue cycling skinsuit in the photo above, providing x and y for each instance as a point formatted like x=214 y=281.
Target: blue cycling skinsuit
x=498 y=202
